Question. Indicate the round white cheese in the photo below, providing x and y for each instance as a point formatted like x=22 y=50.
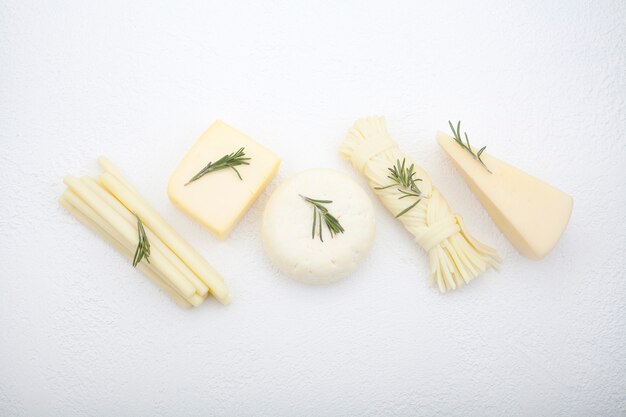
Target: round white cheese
x=287 y=229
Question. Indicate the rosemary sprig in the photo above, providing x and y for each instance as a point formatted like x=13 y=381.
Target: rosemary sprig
x=466 y=145
x=403 y=177
x=143 y=246
x=321 y=214
x=227 y=161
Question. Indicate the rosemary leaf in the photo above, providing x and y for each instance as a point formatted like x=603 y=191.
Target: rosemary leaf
x=314 y=221
x=407 y=209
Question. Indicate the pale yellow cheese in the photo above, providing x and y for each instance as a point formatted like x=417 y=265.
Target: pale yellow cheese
x=219 y=199
x=532 y=214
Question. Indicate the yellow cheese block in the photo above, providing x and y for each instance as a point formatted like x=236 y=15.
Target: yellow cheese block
x=532 y=214
x=219 y=199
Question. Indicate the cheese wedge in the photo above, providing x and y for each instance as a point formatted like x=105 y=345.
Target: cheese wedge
x=219 y=199
x=532 y=214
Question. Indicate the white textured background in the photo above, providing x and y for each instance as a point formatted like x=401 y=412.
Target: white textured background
x=543 y=84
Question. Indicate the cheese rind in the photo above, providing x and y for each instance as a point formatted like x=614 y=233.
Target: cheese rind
x=219 y=199
x=531 y=213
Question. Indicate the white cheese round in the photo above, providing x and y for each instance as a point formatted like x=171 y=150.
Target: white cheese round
x=287 y=228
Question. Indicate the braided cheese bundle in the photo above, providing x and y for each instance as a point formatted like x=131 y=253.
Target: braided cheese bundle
x=407 y=192
x=112 y=208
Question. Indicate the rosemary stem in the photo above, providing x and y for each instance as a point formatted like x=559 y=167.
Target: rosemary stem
x=322 y=215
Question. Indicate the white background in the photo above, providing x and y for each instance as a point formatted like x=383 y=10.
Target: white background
x=543 y=84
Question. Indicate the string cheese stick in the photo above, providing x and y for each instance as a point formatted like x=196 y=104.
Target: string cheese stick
x=129 y=234
x=127 y=254
x=107 y=166
x=201 y=288
x=89 y=212
x=122 y=230
x=90 y=215
x=455 y=256
x=145 y=268
x=71 y=198
x=168 y=235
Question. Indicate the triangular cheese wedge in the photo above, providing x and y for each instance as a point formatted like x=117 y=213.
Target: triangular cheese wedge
x=532 y=214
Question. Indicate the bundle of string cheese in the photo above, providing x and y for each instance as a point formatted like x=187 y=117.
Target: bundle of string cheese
x=455 y=256
x=112 y=208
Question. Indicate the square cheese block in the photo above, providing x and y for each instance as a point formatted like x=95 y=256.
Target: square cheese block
x=219 y=199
